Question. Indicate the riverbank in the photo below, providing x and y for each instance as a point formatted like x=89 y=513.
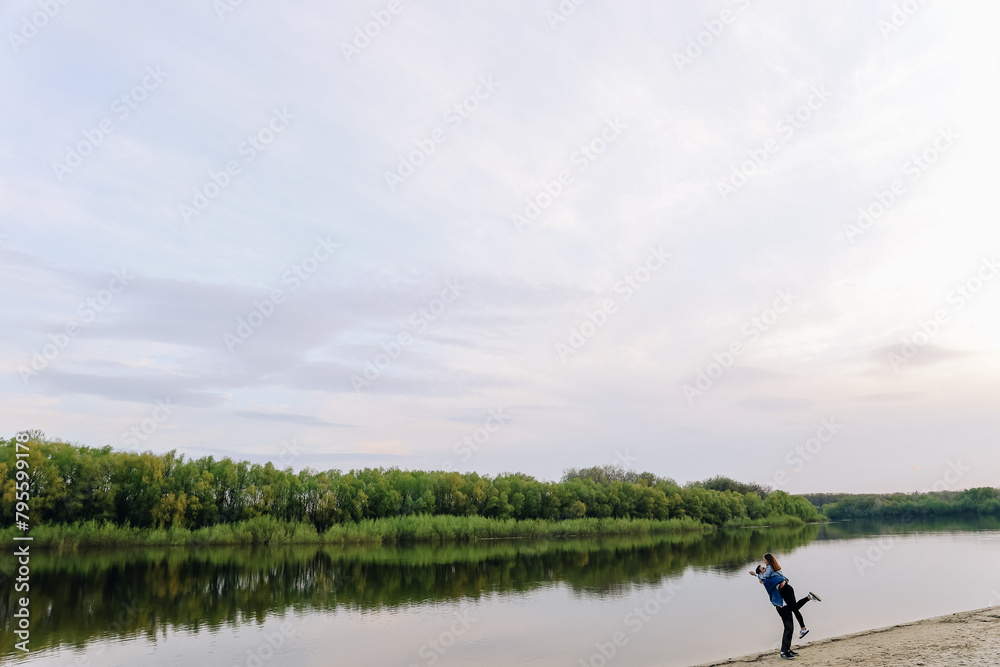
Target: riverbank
x=395 y=530
x=969 y=638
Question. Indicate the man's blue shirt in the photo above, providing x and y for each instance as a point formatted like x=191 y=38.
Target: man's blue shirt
x=771 y=586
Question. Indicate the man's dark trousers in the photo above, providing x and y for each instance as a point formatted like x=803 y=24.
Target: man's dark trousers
x=786 y=617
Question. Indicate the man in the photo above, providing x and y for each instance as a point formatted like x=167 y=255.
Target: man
x=784 y=611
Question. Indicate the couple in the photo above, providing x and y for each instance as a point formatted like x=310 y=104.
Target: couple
x=783 y=598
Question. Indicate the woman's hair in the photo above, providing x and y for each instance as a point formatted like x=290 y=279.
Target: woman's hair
x=772 y=561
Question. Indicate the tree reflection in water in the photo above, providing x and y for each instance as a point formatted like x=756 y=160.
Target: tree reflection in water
x=80 y=597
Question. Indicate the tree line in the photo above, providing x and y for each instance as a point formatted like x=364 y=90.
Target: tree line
x=840 y=506
x=70 y=483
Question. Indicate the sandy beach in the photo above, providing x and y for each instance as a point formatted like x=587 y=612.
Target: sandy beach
x=964 y=639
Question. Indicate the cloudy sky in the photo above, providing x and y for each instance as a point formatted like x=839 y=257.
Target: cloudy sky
x=748 y=238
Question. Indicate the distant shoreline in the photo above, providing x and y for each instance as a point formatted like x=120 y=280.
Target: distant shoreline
x=969 y=638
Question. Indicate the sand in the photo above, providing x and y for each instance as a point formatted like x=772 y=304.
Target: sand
x=959 y=640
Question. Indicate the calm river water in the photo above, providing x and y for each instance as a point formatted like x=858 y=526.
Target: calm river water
x=645 y=602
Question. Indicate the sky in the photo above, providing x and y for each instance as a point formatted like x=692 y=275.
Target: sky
x=746 y=238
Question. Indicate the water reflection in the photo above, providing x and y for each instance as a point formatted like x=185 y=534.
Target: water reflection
x=80 y=597
x=77 y=598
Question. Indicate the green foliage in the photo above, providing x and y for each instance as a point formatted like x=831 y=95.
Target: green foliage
x=770 y=522
x=721 y=483
x=107 y=495
x=982 y=501
x=266 y=530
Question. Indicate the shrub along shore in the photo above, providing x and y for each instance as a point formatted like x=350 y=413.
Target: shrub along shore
x=84 y=496
x=389 y=531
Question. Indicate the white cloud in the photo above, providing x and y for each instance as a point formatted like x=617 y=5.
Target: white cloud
x=654 y=184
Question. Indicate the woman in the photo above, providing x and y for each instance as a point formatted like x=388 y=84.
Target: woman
x=787 y=592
